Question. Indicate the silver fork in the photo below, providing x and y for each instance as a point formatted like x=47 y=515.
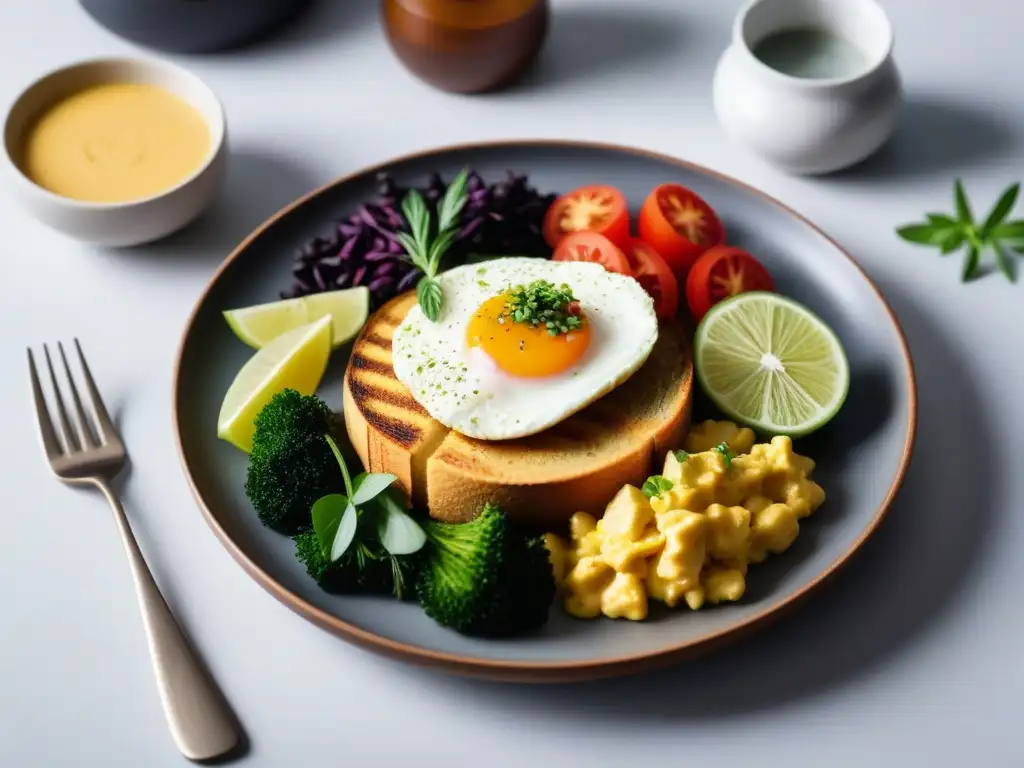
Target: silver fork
x=92 y=454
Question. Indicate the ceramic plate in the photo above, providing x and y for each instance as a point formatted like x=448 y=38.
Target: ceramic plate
x=862 y=454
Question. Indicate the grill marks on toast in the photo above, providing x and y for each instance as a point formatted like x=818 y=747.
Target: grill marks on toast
x=376 y=340
x=385 y=402
x=364 y=363
x=388 y=411
x=612 y=439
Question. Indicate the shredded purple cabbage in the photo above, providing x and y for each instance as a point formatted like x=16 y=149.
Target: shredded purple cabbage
x=503 y=218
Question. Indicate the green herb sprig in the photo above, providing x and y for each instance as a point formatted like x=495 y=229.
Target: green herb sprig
x=727 y=453
x=655 y=485
x=543 y=303
x=426 y=250
x=951 y=233
x=367 y=509
x=681 y=456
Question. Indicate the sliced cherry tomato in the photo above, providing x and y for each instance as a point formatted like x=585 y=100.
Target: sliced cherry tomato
x=680 y=226
x=721 y=272
x=651 y=271
x=590 y=246
x=596 y=208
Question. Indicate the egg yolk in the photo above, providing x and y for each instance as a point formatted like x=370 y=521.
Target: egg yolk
x=520 y=348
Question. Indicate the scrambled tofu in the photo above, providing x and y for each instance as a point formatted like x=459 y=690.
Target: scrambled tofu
x=690 y=534
x=708 y=434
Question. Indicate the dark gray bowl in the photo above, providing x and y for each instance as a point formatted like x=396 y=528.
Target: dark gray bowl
x=192 y=26
x=862 y=454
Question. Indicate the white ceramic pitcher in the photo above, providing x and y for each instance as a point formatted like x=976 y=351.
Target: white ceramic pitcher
x=807 y=125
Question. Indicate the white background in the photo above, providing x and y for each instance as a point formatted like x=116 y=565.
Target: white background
x=912 y=657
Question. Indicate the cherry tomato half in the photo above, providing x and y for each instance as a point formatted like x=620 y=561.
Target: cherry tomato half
x=596 y=208
x=721 y=272
x=651 y=271
x=590 y=246
x=680 y=226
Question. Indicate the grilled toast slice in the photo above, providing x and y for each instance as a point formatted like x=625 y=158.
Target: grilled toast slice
x=577 y=465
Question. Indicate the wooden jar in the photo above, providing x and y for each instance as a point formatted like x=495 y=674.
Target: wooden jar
x=466 y=46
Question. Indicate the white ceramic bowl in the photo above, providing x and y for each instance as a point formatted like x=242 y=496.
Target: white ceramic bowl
x=136 y=221
x=803 y=125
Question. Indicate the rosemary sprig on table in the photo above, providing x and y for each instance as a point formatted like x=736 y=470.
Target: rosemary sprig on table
x=425 y=251
x=951 y=233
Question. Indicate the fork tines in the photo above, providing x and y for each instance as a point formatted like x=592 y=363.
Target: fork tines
x=87 y=434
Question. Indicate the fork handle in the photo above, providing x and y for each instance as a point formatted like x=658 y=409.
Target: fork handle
x=201 y=723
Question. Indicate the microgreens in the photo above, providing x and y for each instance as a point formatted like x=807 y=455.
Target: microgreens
x=949 y=233
x=425 y=253
x=727 y=454
x=542 y=303
x=367 y=505
x=655 y=485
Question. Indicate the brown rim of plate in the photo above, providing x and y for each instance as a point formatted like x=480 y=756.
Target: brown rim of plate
x=530 y=671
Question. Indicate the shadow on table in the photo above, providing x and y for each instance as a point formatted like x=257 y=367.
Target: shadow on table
x=934 y=136
x=257 y=186
x=586 y=44
x=326 y=20
x=918 y=564
x=321 y=21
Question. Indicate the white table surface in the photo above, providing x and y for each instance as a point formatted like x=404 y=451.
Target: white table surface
x=912 y=657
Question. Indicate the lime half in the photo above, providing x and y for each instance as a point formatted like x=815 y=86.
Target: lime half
x=770 y=363
x=295 y=360
x=259 y=325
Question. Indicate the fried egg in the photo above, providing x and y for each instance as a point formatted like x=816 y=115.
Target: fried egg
x=480 y=373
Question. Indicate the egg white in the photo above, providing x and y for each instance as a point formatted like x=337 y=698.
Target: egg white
x=462 y=387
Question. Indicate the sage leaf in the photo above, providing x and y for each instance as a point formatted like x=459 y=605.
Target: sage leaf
x=1001 y=210
x=430 y=297
x=923 y=234
x=941 y=220
x=963 y=208
x=346 y=532
x=418 y=217
x=439 y=248
x=952 y=241
x=423 y=253
x=970 y=270
x=454 y=201
x=327 y=512
x=412 y=251
x=368 y=485
x=1004 y=262
x=1010 y=230
x=399 y=534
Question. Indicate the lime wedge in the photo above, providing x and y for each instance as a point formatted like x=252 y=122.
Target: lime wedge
x=295 y=360
x=259 y=325
x=770 y=363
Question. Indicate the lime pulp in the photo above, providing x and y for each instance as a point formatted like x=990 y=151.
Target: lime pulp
x=769 y=362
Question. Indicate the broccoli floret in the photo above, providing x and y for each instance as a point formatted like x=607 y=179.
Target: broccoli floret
x=484 y=577
x=529 y=586
x=291 y=465
x=366 y=568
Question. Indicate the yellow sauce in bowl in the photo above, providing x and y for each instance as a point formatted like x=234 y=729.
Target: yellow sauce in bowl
x=115 y=143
